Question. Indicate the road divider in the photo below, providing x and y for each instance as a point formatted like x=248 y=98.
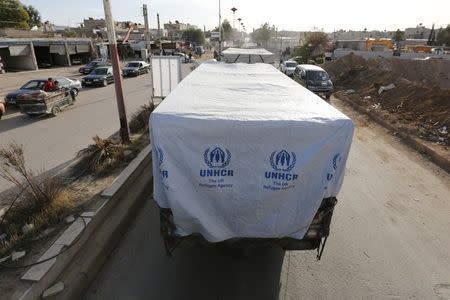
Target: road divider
x=100 y=232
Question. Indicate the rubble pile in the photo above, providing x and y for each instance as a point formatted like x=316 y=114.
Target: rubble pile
x=416 y=94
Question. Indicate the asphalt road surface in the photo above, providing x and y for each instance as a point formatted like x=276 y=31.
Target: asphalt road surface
x=51 y=143
x=390 y=240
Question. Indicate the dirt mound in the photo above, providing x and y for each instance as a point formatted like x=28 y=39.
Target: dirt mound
x=417 y=98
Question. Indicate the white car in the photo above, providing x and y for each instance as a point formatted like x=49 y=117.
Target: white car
x=288 y=67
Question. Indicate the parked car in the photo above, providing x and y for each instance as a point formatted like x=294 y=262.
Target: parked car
x=72 y=85
x=77 y=61
x=184 y=58
x=101 y=76
x=2 y=108
x=199 y=50
x=135 y=68
x=315 y=79
x=92 y=65
x=288 y=67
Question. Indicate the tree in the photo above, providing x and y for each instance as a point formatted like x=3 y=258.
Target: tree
x=399 y=35
x=35 y=16
x=443 y=36
x=314 y=41
x=226 y=30
x=263 y=34
x=13 y=15
x=317 y=39
x=195 y=36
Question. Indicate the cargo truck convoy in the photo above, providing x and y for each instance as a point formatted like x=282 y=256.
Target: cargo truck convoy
x=243 y=156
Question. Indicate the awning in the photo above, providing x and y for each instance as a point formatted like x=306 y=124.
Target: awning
x=82 y=48
x=58 y=49
x=72 y=49
x=21 y=50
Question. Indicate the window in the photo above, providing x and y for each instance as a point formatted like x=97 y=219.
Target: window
x=100 y=71
x=316 y=75
x=33 y=85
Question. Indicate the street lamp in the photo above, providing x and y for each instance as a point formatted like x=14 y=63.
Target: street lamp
x=239 y=20
x=234 y=9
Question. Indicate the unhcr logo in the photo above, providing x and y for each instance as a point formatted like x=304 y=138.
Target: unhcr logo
x=216 y=159
x=282 y=162
x=160 y=156
x=336 y=162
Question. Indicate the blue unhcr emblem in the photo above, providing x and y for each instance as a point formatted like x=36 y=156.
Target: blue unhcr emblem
x=336 y=161
x=159 y=154
x=217 y=158
x=283 y=160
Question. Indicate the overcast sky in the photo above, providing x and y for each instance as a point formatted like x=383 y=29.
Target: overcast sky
x=289 y=15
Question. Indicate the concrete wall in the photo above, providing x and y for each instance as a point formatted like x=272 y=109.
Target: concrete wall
x=374 y=54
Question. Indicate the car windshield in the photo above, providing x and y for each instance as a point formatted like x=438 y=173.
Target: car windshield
x=291 y=64
x=133 y=65
x=33 y=85
x=92 y=64
x=100 y=71
x=316 y=75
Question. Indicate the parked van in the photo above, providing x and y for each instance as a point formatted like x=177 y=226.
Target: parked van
x=315 y=79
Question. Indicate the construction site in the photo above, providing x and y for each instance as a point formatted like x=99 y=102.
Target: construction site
x=412 y=95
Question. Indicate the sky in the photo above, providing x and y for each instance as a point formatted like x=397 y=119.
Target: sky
x=298 y=15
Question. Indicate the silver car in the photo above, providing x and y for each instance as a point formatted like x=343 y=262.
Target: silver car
x=73 y=85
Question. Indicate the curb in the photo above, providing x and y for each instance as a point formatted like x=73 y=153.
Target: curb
x=79 y=265
x=412 y=142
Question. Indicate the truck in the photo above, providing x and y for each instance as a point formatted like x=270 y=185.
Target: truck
x=51 y=103
x=245 y=157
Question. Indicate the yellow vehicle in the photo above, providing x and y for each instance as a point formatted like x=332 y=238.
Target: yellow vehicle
x=379 y=44
x=418 y=48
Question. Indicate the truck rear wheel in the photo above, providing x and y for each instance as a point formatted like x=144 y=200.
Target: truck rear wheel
x=55 y=111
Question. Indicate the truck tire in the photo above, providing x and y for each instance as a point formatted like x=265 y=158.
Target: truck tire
x=55 y=111
x=75 y=93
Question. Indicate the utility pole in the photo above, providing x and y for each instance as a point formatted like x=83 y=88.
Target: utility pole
x=220 y=35
x=159 y=35
x=124 y=129
x=147 y=30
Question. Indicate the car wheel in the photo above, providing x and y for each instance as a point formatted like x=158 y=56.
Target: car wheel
x=146 y=71
x=105 y=82
x=1 y=114
x=74 y=93
x=55 y=111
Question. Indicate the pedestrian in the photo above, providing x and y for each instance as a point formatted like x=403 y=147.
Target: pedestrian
x=190 y=56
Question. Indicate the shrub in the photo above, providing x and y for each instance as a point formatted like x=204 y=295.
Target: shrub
x=139 y=120
x=39 y=199
x=103 y=155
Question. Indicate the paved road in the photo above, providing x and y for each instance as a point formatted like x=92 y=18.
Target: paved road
x=52 y=142
x=389 y=240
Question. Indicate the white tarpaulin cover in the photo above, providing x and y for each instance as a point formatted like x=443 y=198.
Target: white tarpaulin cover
x=250 y=56
x=241 y=150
